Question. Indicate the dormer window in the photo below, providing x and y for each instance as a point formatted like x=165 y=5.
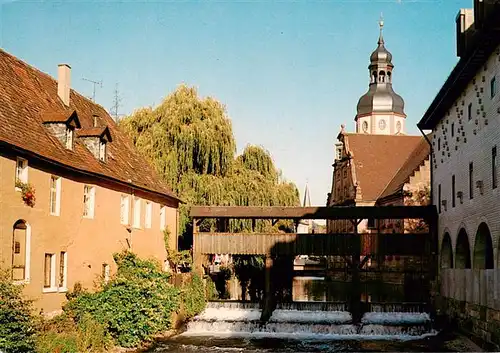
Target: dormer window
x=69 y=137
x=102 y=151
x=96 y=140
x=62 y=126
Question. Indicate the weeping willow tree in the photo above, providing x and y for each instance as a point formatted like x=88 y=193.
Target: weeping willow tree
x=190 y=142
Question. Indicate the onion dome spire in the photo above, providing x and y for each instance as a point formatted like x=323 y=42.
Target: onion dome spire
x=380 y=96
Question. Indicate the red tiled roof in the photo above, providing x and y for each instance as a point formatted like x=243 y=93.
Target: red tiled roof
x=57 y=116
x=414 y=161
x=94 y=132
x=28 y=97
x=377 y=158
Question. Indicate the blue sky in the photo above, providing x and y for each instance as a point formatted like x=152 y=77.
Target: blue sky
x=289 y=72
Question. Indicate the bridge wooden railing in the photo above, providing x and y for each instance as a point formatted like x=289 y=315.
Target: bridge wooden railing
x=310 y=244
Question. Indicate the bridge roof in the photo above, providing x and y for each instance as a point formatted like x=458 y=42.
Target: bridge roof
x=333 y=212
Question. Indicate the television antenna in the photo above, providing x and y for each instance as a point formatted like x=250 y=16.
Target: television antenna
x=94 y=83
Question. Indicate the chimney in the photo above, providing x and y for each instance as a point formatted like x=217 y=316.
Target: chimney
x=464 y=27
x=64 y=82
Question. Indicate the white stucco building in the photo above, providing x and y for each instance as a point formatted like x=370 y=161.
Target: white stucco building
x=465 y=122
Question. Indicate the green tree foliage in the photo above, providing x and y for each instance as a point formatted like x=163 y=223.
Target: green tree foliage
x=17 y=325
x=190 y=142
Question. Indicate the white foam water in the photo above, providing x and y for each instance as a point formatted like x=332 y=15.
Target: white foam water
x=395 y=318
x=307 y=316
x=225 y=314
x=304 y=324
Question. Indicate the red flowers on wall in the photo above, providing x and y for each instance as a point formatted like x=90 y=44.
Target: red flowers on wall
x=27 y=193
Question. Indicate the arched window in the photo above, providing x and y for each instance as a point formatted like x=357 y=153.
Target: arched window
x=483 y=248
x=21 y=238
x=388 y=76
x=446 y=252
x=374 y=76
x=381 y=76
x=462 y=252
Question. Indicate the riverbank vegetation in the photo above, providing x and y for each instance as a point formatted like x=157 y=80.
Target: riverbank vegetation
x=137 y=303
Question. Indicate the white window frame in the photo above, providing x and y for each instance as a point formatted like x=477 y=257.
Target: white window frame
x=69 y=137
x=27 y=262
x=57 y=211
x=102 y=151
x=163 y=214
x=21 y=172
x=124 y=214
x=136 y=217
x=64 y=286
x=52 y=288
x=89 y=194
x=148 y=214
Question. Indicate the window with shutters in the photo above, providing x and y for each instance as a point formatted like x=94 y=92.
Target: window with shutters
x=49 y=271
x=124 y=209
x=63 y=271
x=102 y=151
x=69 y=137
x=137 y=213
x=88 y=201
x=148 y=214
x=55 y=195
x=21 y=170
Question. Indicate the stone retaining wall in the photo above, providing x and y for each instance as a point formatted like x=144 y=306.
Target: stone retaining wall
x=471 y=299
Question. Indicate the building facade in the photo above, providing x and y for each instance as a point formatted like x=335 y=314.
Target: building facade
x=465 y=125
x=73 y=190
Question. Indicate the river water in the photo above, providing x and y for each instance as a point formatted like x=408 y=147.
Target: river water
x=307 y=325
x=182 y=344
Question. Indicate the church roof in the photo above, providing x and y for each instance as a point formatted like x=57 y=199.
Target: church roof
x=376 y=159
x=414 y=161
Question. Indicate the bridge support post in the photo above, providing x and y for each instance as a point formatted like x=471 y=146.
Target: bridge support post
x=197 y=256
x=268 y=308
x=355 y=304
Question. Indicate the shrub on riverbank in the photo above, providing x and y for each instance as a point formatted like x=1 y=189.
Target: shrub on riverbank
x=17 y=324
x=135 y=305
x=193 y=297
x=61 y=334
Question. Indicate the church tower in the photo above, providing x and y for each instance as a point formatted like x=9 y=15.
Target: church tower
x=380 y=110
x=305 y=225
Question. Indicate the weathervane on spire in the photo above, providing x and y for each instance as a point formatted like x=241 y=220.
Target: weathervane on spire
x=381 y=24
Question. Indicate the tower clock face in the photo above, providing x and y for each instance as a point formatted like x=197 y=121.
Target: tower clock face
x=365 y=126
x=381 y=124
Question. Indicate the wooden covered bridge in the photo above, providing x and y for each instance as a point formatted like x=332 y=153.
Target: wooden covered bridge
x=345 y=245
